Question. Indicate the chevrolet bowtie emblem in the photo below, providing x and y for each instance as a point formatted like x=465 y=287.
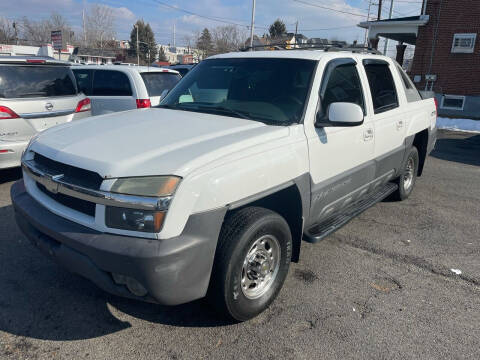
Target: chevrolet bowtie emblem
x=53 y=184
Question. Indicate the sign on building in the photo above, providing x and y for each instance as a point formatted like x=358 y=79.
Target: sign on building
x=56 y=36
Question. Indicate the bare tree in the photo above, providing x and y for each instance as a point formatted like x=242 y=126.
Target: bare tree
x=228 y=38
x=100 y=26
x=7 y=31
x=39 y=32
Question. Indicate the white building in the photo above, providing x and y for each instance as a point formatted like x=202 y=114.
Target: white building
x=180 y=54
x=45 y=50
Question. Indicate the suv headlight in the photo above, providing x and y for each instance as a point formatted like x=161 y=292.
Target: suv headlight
x=155 y=186
x=136 y=219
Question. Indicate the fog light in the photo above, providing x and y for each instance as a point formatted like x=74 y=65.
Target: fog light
x=134 y=220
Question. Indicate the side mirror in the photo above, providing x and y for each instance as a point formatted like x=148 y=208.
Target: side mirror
x=342 y=114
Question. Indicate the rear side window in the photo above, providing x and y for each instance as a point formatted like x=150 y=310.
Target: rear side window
x=84 y=80
x=382 y=86
x=30 y=81
x=342 y=85
x=158 y=82
x=111 y=83
x=411 y=91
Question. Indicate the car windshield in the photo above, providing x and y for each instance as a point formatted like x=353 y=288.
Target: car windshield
x=158 y=82
x=26 y=81
x=269 y=90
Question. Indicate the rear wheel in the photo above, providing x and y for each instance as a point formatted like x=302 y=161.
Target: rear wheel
x=408 y=177
x=251 y=263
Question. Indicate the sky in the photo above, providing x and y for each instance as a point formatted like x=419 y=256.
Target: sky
x=313 y=21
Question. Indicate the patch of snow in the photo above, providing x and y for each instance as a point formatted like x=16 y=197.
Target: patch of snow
x=456 y=271
x=459 y=124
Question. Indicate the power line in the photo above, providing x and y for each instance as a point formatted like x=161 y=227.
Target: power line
x=331 y=9
x=212 y=18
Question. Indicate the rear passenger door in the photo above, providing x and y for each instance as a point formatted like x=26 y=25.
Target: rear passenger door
x=112 y=91
x=388 y=117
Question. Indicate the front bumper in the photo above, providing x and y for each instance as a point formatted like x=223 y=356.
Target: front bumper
x=173 y=271
x=13 y=155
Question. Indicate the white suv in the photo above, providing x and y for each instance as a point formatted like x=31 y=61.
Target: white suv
x=212 y=193
x=35 y=94
x=119 y=87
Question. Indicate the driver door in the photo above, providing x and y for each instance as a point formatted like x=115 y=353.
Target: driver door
x=341 y=158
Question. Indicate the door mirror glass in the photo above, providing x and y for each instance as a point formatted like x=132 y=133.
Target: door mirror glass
x=342 y=114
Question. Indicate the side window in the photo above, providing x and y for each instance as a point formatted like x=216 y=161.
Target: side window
x=341 y=84
x=382 y=86
x=84 y=80
x=411 y=92
x=111 y=83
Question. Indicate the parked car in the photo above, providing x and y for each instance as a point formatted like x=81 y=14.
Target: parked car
x=36 y=93
x=183 y=69
x=114 y=88
x=211 y=193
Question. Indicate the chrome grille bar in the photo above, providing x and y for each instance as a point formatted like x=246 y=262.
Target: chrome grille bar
x=54 y=184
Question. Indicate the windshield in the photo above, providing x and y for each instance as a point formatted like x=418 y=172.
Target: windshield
x=26 y=81
x=270 y=90
x=158 y=82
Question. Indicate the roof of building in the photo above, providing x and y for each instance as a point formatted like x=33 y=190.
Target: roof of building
x=105 y=53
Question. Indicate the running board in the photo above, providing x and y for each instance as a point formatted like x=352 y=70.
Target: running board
x=319 y=231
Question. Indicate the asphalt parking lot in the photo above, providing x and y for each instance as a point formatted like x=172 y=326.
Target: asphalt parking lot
x=381 y=287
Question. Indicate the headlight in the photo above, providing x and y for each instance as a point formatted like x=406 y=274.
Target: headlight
x=155 y=186
x=134 y=220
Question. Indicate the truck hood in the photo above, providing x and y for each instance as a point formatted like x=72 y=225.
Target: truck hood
x=151 y=141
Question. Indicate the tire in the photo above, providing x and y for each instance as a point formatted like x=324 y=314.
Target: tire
x=408 y=177
x=241 y=240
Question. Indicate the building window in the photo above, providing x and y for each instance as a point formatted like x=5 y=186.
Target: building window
x=463 y=43
x=452 y=102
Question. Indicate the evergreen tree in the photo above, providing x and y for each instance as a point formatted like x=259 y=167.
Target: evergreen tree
x=277 y=29
x=204 y=43
x=147 y=46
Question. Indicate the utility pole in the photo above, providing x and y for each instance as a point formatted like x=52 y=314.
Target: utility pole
x=386 y=40
x=296 y=32
x=365 y=42
x=84 y=30
x=138 y=53
x=252 y=25
x=173 y=34
x=16 y=34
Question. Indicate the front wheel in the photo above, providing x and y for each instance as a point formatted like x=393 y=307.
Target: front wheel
x=408 y=177
x=251 y=262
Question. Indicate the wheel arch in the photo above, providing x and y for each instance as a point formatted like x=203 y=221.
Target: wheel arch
x=291 y=201
x=420 y=141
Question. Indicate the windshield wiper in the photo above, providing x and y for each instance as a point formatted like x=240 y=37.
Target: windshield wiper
x=241 y=114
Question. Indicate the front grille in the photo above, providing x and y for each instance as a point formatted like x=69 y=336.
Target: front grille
x=71 y=174
x=83 y=206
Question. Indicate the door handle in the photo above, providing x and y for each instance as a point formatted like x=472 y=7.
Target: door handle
x=368 y=134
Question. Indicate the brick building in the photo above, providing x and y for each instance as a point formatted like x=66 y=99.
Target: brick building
x=447 y=56
x=447 y=53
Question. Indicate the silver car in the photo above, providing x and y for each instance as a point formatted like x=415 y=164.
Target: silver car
x=36 y=93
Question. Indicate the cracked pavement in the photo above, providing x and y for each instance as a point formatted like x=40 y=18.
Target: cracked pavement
x=380 y=287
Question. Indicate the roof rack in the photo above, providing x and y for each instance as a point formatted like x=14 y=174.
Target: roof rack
x=324 y=47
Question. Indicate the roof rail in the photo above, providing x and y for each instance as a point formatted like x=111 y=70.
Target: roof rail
x=324 y=47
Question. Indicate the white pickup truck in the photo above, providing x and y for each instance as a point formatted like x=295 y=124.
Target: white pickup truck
x=212 y=192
